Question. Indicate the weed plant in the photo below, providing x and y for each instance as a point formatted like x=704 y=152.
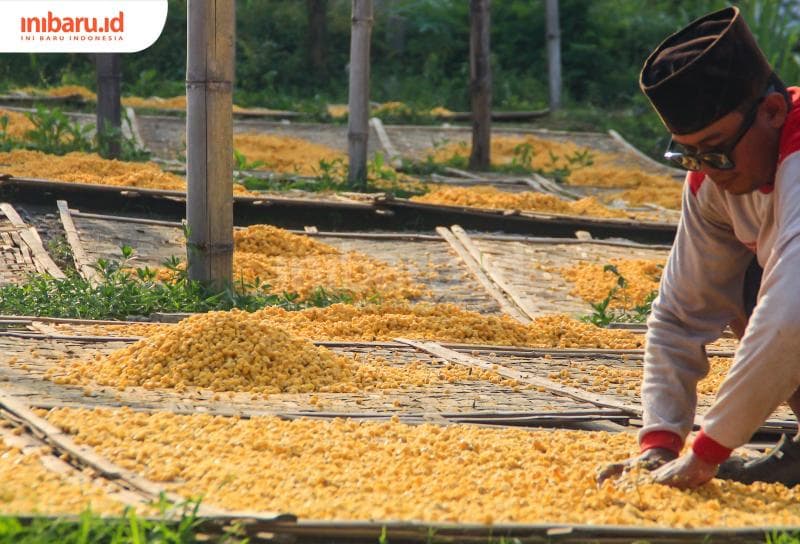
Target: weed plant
x=602 y=315
x=521 y=164
x=125 y=291
x=331 y=177
x=55 y=133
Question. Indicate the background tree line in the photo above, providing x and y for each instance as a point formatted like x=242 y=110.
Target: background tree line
x=294 y=53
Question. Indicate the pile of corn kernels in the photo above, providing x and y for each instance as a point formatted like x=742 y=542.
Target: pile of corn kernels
x=487 y=196
x=284 y=153
x=345 y=469
x=599 y=170
x=241 y=352
x=293 y=263
x=593 y=283
x=60 y=91
x=627 y=381
x=297 y=156
x=444 y=323
x=272 y=241
x=155 y=102
x=640 y=187
x=422 y=321
x=18 y=125
x=30 y=488
x=92 y=169
x=340 y=111
x=541 y=154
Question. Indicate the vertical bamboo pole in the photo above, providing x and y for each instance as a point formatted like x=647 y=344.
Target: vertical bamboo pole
x=553 y=53
x=209 y=139
x=358 y=103
x=480 y=84
x=108 y=69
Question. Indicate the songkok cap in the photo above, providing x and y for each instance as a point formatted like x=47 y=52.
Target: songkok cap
x=705 y=71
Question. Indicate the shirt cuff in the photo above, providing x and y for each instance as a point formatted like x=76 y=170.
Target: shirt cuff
x=661 y=439
x=709 y=450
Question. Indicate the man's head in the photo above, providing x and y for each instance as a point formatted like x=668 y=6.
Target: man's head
x=717 y=95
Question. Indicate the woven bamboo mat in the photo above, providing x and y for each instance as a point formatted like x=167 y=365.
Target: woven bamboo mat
x=416 y=141
x=16 y=261
x=429 y=261
x=21 y=249
x=24 y=361
x=619 y=377
x=527 y=270
x=15 y=433
x=533 y=270
x=165 y=135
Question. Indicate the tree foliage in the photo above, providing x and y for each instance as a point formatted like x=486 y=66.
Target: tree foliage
x=420 y=47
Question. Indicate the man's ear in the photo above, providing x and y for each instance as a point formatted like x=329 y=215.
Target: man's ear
x=776 y=108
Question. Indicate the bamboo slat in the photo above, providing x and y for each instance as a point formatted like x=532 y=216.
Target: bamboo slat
x=480 y=275
x=485 y=263
x=555 y=387
x=82 y=263
x=30 y=237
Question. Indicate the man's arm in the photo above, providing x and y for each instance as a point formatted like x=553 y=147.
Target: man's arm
x=766 y=369
x=700 y=293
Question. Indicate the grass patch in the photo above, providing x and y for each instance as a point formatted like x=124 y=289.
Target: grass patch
x=129 y=528
x=126 y=291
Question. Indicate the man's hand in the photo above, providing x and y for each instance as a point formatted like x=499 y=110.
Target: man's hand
x=649 y=459
x=686 y=472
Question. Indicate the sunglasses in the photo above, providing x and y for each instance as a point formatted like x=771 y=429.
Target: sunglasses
x=717 y=159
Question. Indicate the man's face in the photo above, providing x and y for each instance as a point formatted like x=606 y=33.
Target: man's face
x=755 y=156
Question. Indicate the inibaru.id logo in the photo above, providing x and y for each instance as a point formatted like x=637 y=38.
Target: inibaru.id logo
x=80 y=26
x=52 y=23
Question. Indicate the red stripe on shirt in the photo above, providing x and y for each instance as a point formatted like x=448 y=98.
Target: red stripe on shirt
x=661 y=439
x=695 y=180
x=709 y=450
x=790 y=134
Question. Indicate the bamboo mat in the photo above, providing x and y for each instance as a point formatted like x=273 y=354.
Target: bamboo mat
x=430 y=262
x=24 y=361
x=527 y=270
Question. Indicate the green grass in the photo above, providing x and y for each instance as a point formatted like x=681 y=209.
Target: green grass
x=126 y=291
x=783 y=538
x=129 y=528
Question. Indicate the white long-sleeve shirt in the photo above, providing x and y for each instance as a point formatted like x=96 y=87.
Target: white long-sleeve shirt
x=701 y=292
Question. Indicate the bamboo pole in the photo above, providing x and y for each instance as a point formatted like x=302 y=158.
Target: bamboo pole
x=480 y=84
x=358 y=102
x=108 y=67
x=209 y=139
x=553 y=53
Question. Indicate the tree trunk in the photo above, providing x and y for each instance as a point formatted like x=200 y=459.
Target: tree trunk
x=209 y=140
x=480 y=84
x=108 y=67
x=553 y=54
x=358 y=104
x=317 y=37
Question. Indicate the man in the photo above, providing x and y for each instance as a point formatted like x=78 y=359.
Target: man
x=737 y=129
